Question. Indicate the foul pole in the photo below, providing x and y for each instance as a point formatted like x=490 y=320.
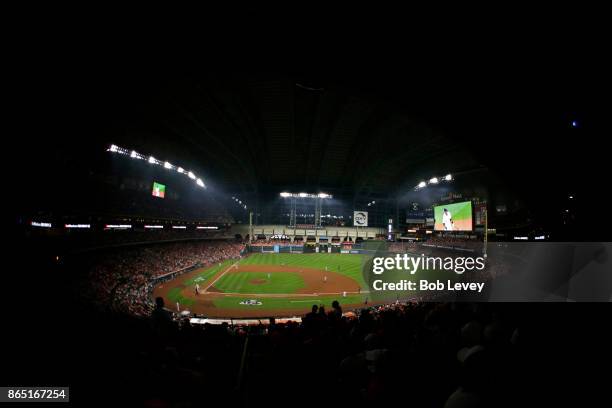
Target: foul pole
x=250 y=227
x=486 y=229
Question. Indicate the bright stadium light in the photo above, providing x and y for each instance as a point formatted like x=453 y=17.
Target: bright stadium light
x=117 y=226
x=152 y=160
x=284 y=194
x=448 y=177
x=422 y=184
x=81 y=226
x=433 y=180
x=303 y=194
x=41 y=224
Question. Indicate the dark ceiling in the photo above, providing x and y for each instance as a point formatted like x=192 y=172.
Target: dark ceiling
x=352 y=135
x=356 y=130
x=266 y=135
x=357 y=114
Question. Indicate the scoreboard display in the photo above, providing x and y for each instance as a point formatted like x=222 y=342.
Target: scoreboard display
x=453 y=217
x=159 y=190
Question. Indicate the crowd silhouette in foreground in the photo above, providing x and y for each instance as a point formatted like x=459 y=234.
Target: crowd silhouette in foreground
x=426 y=354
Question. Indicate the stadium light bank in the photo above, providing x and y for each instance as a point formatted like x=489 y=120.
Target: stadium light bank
x=434 y=180
x=239 y=202
x=152 y=160
x=305 y=195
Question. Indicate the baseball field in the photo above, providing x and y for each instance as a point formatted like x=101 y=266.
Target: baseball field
x=269 y=285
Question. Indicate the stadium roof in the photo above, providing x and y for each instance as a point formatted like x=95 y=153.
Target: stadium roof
x=266 y=135
x=348 y=135
x=358 y=134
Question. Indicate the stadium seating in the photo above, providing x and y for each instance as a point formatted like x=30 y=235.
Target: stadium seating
x=123 y=279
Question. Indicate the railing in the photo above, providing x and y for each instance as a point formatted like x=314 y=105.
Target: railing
x=178 y=271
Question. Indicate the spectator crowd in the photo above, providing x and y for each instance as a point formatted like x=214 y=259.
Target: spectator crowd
x=427 y=354
x=123 y=279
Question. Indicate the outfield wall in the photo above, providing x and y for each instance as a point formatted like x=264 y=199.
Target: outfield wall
x=318 y=234
x=366 y=248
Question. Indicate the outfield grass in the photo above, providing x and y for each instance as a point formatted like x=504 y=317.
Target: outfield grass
x=346 y=264
x=242 y=282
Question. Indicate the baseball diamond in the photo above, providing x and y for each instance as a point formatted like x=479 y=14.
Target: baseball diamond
x=282 y=284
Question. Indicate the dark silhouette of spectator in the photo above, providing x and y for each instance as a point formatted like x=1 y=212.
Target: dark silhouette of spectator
x=336 y=311
x=161 y=317
x=322 y=312
x=313 y=313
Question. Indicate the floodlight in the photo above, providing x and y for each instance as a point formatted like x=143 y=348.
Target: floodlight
x=422 y=184
x=113 y=148
x=200 y=183
x=167 y=165
x=284 y=194
x=191 y=175
x=434 y=180
x=448 y=177
x=324 y=195
x=303 y=194
x=151 y=159
x=134 y=154
x=180 y=170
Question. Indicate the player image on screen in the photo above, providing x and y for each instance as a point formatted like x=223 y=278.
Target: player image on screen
x=453 y=217
x=447 y=220
x=159 y=190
